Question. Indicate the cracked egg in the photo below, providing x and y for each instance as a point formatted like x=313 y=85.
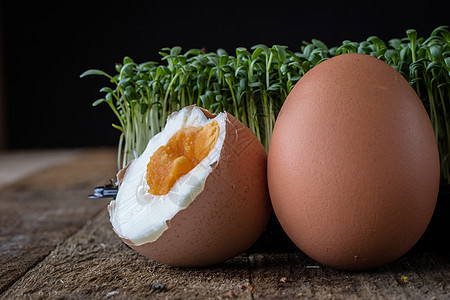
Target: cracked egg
x=197 y=195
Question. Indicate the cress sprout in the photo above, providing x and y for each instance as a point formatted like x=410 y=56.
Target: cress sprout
x=253 y=84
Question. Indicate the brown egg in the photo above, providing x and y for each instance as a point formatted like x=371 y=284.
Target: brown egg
x=353 y=167
x=214 y=212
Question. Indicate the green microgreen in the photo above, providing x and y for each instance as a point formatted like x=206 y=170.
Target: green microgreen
x=252 y=84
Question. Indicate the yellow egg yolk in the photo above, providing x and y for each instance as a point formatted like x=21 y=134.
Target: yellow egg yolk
x=187 y=148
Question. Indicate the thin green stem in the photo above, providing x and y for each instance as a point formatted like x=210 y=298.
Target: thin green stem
x=166 y=97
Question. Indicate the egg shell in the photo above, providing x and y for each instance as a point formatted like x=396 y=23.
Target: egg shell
x=353 y=165
x=229 y=214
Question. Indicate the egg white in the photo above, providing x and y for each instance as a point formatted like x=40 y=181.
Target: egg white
x=142 y=217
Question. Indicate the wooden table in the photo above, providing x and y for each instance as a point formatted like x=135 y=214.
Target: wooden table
x=57 y=243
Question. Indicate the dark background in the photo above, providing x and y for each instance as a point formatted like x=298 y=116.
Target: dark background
x=47 y=45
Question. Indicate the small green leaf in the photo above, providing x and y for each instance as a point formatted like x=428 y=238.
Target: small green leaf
x=319 y=44
x=256 y=53
x=175 y=50
x=256 y=84
x=109 y=98
x=97 y=102
x=436 y=52
x=223 y=59
x=193 y=51
x=447 y=62
x=307 y=50
x=443 y=30
x=412 y=35
x=106 y=90
x=127 y=60
x=206 y=102
x=147 y=65
x=280 y=52
x=127 y=69
x=128 y=91
x=241 y=52
x=395 y=43
x=124 y=82
x=390 y=53
x=274 y=87
x=221 y=52
x=117 y=127
x=243 y=83
x=433 y=64
x=95 y=72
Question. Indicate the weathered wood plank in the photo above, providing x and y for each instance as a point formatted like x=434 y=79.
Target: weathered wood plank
x=95 y=263
x=288 y=275
x=17 y=164
x=33 y=223
x=89 y=168
x=42 y=210
x=56 y=243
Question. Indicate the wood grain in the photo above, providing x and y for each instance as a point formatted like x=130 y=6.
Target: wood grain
x=56 y=243
x=43 y=209
x=95 y=263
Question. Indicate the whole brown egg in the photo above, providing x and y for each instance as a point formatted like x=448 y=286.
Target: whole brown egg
x=353 y=164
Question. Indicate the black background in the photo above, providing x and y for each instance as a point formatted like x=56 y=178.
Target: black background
x=47 y=45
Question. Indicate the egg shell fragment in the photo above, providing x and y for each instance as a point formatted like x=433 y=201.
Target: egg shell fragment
x=228 y=216
x=353 y=165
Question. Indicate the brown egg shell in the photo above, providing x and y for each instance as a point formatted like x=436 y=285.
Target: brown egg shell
x=353 y=165
x=228 y=216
